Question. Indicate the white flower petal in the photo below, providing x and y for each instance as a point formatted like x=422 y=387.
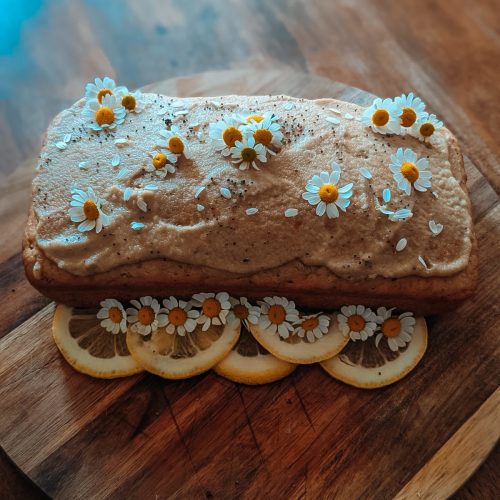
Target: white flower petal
x=365 y=173
x=321 y=208
x=401 y=244
x=332 y=210
x=291 y=212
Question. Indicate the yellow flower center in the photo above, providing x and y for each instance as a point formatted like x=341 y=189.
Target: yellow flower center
x=115 y=315
x=310 y=324
x=248 y=154
x=90 y=210
x=177 y=316
x=380 y=117
x=391 y=327
x=159 y=161
x=356 y=322
x=328 y=193
x=102 y=93
x=211 y=307
x=255 y=118
x=105 y=115
x=410 y=171
x=408 y=117
x=427 y=129
x=176 y=145
x=129 y=102
x=146 y=315
x=263 y=136
x=276 y=314
x=231 y=135
x=240 y=311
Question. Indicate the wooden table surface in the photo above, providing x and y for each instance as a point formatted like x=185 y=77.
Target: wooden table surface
x=446 y=52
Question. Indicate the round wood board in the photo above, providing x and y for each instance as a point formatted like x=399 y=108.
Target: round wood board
x=305 y=436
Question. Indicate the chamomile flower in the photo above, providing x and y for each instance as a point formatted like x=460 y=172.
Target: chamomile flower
x=181 y=317
x=244 y=311
x=382 y=116
x=86 y=209
x=312 y=326
x=278 y=314
x=410 y=110
x=246 y=152
x=103 y=115
x=266 y=132
x=113 y=316
x=214 y=308
x=174 y=141
x=359 y=322
x=133 y=102
x=162 y=163
x=225 y=133
x=322 y=190
x=257 y=118
x=145 y=315
x=100 y=88
x=397 y=330
x=408 y=170
x=425 y=127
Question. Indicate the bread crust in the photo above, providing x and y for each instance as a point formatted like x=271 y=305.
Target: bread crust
x=315 y=288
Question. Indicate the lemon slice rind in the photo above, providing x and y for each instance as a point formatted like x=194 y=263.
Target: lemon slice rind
x=376 y=377
x=303 y=352
x=80 y=359
x=256 y=368
x=145 y=353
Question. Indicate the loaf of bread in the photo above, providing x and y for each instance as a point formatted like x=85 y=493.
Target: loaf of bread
x=256 y=196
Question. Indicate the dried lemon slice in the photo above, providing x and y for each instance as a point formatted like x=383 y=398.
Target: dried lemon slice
x=249 y=363
x=174 y=356
x=88 y=347
x=301 y=350
x=365 y=365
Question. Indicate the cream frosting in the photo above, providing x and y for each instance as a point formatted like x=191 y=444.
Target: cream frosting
x=225 y=234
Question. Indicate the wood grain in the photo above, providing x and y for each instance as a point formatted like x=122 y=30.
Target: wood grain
x=445 y=51
x=459 y=457
x=306 y=436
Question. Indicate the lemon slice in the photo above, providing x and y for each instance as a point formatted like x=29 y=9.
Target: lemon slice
x=88 y=347
x=249 y=363
x=364 y=365
x=299 y=350
x=174 y=356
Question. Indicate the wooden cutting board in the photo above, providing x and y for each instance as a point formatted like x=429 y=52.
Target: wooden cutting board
x=305 y=436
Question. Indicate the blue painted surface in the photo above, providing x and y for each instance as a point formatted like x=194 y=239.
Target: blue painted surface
x=14 y=14
x=15 y=62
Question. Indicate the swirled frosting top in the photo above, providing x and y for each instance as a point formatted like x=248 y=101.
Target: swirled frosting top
x=201 y=208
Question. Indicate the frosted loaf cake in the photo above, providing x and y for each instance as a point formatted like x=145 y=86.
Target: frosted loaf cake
x=257 y=196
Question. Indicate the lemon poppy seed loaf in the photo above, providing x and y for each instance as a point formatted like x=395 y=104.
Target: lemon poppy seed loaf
x=257 y=196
